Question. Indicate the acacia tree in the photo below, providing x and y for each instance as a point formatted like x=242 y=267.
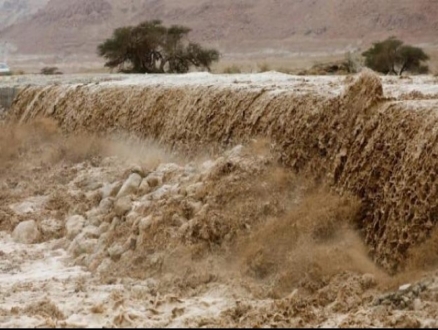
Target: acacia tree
x=391 y=56
x=151 y=47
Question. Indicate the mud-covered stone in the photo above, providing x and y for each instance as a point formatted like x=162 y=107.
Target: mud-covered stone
x=26 y=232
x=130 y=186
x=74 y=226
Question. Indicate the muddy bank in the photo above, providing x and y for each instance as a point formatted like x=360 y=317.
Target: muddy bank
x=383 y=150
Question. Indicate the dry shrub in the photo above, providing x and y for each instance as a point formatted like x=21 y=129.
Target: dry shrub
x=18 y=72
x=264 y=67
x=232 y=69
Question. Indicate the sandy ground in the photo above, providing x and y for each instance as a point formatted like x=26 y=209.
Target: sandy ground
x=129 y=235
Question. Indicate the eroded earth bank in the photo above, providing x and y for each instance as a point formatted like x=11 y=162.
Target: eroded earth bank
x=200 y=200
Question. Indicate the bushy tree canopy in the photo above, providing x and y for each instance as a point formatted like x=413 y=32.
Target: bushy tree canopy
x=151 y=47
x=391 y=56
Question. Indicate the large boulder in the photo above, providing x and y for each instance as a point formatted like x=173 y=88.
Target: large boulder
x=130 y=186
x=74 y=226
x=110 y=189
x=26 y=232
x=122 y=206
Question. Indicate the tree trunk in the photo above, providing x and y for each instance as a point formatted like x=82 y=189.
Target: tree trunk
x=403 y=68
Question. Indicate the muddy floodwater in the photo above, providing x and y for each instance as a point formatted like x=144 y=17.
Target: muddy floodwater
x=205 y=200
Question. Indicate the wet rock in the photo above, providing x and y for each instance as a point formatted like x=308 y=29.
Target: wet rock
x=92 y=185
x=145 y=223
x=51 y=227
x=110 y=189
x=62 y=243
x=74 y=226
x=130 y=186
x=405 y=287
x=207 y=165
x=142 y=206
x=103 y=228
x=185 y=228
x=195 y=206
x=154 y=180
x=137 y=169
x=144 y=187
x=30 y=205
x=82 y=245
x=177 y=220
x=126 y=256
x=131 y=217
x=235 y=152
x=116 y=221
x=160 y=192
x=407 y=321
x=131 y=243
x=417 y=305
x=95 y=260
x=105 y=265
x=102 y=242
x=81 y=261
x=403 y=298
x=91 y=232
x=115 y=251
x=94 y=216
x=106 y=204
x=194 y=189
x=94 y=196
x=122 y=206
x=26 y=232
x=169 y=167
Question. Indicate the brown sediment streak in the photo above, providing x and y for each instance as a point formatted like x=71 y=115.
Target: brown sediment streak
x=384 y=151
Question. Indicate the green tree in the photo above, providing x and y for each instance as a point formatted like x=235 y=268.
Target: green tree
x=391 y=56
x=151 y=47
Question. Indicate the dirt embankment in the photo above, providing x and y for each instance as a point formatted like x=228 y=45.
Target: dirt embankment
x=381 y=150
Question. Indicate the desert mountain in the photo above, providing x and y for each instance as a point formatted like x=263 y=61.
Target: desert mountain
x=13 y=11
x=65 y=27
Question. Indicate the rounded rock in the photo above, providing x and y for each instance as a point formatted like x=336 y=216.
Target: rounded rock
x=122 y=206
x=130 y=186
x=368 y=281
x=74 y=226
x=26 y=232
x=110 y=190
x=154 y=180
x=144 y=187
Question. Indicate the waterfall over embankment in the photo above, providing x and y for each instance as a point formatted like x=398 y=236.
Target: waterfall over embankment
x=382 y=150
x=7 y=95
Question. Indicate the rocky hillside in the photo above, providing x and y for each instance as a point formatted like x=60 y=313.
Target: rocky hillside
x=66 y=27
x=13 y=11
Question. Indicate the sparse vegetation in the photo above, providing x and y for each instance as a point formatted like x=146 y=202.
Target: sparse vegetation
x=264 y=67
x=50 y=70
x=392 y=56
x=18 y=72
x=151 y=47
x=232 y=69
